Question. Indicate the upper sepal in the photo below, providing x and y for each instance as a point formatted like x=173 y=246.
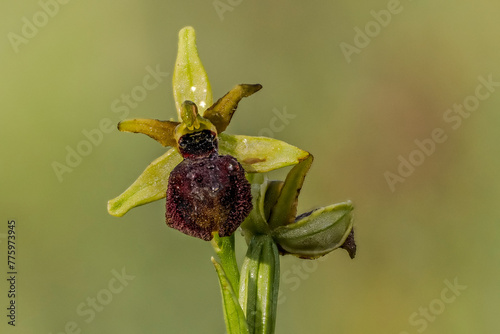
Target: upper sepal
x=190 y=81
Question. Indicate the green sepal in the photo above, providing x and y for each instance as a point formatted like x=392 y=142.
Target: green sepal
x=260 y=154
x=190 y=81
x=153 y=182
x=316 y=234
x=150 y=186
x=161 y=131
x=221 y=112
x=256 y=222
x=233 y=314
x=259 y=285
x=273 y=192
x=285 y=209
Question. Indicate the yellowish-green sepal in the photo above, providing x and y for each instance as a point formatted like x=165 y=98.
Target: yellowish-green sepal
x=256 y=222
x=260 y=154
x=150 y=186
x=285 y=209
x=161 y=131
x=190 y=80
x=221 y=112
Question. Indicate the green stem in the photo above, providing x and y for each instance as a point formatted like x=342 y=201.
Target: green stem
x=259 y=287
x=224 y=247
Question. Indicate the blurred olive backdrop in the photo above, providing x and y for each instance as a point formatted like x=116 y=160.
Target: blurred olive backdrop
x=357 y=111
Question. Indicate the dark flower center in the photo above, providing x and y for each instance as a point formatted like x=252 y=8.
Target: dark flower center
x=198 y=144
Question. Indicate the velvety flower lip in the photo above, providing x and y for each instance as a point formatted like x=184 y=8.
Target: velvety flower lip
x=208 y=195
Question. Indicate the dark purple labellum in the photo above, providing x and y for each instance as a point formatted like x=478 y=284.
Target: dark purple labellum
x=206 y=192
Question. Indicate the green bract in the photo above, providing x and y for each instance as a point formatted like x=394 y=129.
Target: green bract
x=259 y=284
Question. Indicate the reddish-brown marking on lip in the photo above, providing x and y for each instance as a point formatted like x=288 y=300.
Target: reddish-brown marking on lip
x=251 y=161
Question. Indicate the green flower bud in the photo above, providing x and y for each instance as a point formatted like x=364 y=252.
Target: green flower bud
x=317 y=233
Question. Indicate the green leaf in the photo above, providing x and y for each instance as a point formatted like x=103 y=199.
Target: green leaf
x=285 y=210
x=259 y=285
x=260 y=154
x=317 y=233
x=161 y=131
x=222 y=111
x=224 y=247
x=233 y=314
x=150 y=186
x=190 y=80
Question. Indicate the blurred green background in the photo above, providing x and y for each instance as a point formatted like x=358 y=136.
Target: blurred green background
x=356 y=112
